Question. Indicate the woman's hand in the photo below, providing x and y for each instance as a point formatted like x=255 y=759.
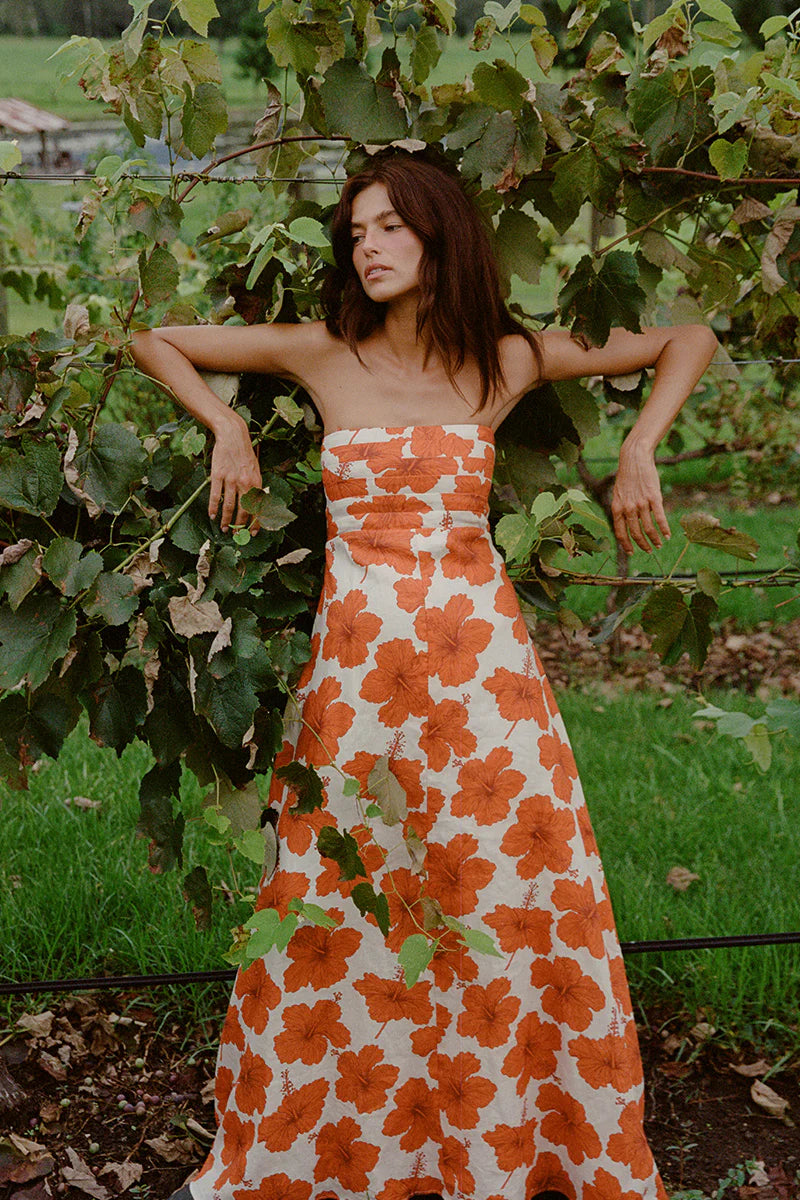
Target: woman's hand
x=637 y=506
x=234 y=471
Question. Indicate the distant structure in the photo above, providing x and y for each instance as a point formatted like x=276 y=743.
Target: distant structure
x=18 y=116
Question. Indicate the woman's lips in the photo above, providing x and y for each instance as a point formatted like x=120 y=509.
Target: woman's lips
x=375 y=271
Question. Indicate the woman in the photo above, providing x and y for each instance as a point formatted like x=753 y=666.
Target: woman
x=507 y=1076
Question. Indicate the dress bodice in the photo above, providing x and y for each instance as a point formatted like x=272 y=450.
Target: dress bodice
x=419 y=472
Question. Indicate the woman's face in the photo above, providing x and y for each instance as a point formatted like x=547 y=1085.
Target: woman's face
x=386 y=252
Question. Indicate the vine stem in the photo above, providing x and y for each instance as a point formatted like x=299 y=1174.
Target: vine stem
x=165 y=528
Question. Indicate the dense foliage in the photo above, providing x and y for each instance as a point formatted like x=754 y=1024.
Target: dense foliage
x=119 y=596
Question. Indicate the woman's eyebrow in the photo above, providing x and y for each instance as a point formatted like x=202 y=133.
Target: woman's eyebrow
x=381 y=216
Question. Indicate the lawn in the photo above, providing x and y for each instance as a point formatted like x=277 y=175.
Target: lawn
x=76 y=896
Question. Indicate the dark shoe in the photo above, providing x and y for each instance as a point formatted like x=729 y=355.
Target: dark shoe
x=182 y=1193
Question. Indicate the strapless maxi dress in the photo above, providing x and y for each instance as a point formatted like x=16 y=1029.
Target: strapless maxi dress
x=494 y=1077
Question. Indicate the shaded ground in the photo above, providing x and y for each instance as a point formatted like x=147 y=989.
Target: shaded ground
x=114 y=1097
x=760 y=661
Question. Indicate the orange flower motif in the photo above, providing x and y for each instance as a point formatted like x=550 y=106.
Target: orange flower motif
x=456 y=875
x=533 y=1057
x=609 y=1061
x=407 y=771
x=253 y=1080
x=297 y=1113
x=487 y=787
x=452 y=962
x=435 y=441
x=566 y=1125
x=398 y=682
x=513 y=1145
x=342 y=487
x=236 y=1143
x=548 y=1175
x=556 y=756
x=462 y=1090
x=540 y=837
x=319 y=956
x=282 y=887
x=619 y=988
x=350 y=630
x=585 y=919
x=404 y=1189
x=340 y=1155
x=276 y=1187
x=325 y=721
x=629 y=1146
x=569 y=996
x=605 y=1186
x=364 y=1078
x=521 y=928
x=382 y=542
x=299 y=830
x=391 y=1000
x=415 y=475
x=488 y=1012
x=470 y=555
x=308 y=1031
x=506 y=604
x=232 y=1033
x=404 y=906
x=454 y=639
x=425 y=1041
x=454 y=1165
x=411 y=594
x=470 y=494
x=445 y=732
x=258 y=995
x=415 y=1115
x=519 y=696
x=223 y=1086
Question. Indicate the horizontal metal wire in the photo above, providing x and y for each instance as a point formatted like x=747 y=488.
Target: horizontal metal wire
x=133 y=982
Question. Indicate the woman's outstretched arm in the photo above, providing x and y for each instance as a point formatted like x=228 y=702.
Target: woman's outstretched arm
x=680 y=355
x=175 y=355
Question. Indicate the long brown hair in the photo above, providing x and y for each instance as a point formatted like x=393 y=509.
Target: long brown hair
x=461 y=308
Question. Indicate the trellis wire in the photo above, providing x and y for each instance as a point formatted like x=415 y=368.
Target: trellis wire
x=227 y=975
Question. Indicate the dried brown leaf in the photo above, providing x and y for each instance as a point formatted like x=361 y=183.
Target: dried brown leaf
x=125 y=1174
x=37 y=1024
x=190 y=618
x=680 y=878
x=172 y=1150
x=79 y=1175
x=750 y=1070
x=764 y=1096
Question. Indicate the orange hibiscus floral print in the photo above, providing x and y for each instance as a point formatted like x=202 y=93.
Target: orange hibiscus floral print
x=510 y=1066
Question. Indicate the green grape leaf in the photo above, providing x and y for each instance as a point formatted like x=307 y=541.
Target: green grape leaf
x=197 y=892
x=33 y=639
x=158 y=274
x=30 y=478
x=728 y=159
x=198 y=13
x=366 y=901
x=705 y=530
x=415 y=956
x=602 y=293
x=157 y=821
x=69 y=568
x=204 y=118
x=343 y=849
x=306 y=785
x=354 y=104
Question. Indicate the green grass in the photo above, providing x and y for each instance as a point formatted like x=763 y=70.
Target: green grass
x=664 y=793
x=76 y=896
x=29 y=72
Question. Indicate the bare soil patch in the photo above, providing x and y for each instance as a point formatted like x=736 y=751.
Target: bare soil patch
x=760 y=661
x=113 y=1098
